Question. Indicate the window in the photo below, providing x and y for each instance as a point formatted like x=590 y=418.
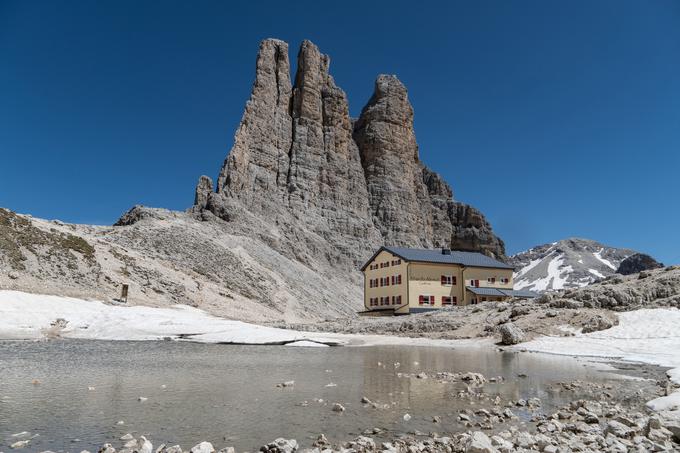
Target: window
x=425 y=300
x=394 y=279
x=398 y=300
x=491 y=280
x=399 y=279
x=396 y=262
x=505 y=280
x=448 y=280
x=474 y=283
x=449 y=300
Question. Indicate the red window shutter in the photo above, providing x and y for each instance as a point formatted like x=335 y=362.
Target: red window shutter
x=477 y=283
x=454 y=299
x=443 y=279
x=454 y=280
x=420 y=300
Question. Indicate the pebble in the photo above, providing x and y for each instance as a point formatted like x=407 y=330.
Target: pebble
x=20 y=444
x=337 y=407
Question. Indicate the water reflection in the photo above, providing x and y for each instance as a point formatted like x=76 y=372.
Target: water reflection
x=228 y=395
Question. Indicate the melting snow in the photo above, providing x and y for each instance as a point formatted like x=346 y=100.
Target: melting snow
x=648 y=336
x=596 y=273
x=556 y=279
x=604 y=261
x=25 y=316
x=527 y=268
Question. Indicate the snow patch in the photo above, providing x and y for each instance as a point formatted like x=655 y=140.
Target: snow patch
x=25 y=316
x=648 y=336
x=596 y=273
x=557 y=277
x=527 y=268
x=604 y=261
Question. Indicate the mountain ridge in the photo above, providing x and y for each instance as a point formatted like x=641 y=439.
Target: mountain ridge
x=568 y=263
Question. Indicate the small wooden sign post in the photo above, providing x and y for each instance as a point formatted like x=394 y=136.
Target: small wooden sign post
x=124 y=293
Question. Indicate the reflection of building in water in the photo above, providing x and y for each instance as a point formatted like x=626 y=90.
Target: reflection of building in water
x=383 y=384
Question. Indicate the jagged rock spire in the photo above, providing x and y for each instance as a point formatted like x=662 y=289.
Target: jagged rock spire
x=299 y=163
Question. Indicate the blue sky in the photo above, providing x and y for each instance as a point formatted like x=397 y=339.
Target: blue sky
x=556 y=119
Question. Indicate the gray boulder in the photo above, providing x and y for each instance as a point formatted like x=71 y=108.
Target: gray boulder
x=511 y=334
x=479 y=443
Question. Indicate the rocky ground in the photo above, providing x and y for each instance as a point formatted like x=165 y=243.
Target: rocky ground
x=560 y=313
x=605 y=418
x=168 y=257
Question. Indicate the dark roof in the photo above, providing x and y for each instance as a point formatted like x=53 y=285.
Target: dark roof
x=472 y=259
x=486 y=291
x=501 y=292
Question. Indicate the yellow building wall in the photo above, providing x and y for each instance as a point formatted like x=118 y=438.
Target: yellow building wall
x=483 y=274
x=425 y=279
x=385 y=291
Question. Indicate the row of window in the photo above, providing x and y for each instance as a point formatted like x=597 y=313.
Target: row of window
x=490 y=280
x=376 y=301
x=385 y=264
x=384 y=281
x=425 y=299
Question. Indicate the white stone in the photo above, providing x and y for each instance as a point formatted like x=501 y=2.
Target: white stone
x=203 y=447
x=479 y=443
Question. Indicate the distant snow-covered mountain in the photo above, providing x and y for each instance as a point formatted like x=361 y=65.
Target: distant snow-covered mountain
x=569 y=263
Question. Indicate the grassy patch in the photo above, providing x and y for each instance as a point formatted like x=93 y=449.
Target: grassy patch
x=18 y=234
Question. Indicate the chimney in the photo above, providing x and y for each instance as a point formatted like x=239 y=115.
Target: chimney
x=446 y=251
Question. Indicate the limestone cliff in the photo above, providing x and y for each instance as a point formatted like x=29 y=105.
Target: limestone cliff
x=330 y=186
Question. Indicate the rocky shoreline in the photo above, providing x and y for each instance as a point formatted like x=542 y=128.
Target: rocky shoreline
x=605 y=418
